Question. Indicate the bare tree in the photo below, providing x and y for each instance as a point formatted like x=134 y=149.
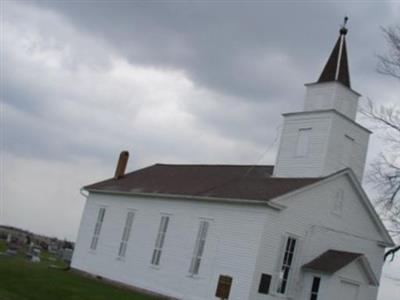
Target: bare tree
x=385 y=170
x=389 y=64
x=384 y=174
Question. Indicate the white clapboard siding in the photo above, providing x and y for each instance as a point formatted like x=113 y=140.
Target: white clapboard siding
x=326 y=145
x=342 y=127
x=310 y=216
x=243 y=241
x=231 y=247
x=288 y=164
x=331 y=95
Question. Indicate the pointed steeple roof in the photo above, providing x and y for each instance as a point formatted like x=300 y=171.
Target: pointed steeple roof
x=337 y=67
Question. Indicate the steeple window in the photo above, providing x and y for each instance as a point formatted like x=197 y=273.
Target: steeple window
x=303 y=142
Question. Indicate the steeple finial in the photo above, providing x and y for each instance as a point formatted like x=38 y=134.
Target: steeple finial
x=337 y=69
x=343 y=29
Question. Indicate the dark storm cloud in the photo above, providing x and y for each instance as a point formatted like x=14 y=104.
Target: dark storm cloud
x=258 y=55
x=223 y=46
x=255 y=56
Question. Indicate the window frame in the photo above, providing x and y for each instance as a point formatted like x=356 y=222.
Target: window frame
x=347 y=150
x=338 y=202
x=265 y=279
x=126 y=232
x=283 y=266
x=97 y=228
x=314 y=293
x=303 y=142
x=160 y=240
x=199 y=247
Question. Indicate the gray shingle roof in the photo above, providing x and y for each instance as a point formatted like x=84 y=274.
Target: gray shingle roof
x=245 y=182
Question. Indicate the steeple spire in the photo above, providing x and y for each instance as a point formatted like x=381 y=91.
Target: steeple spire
x=337 y=68
x=324 y=137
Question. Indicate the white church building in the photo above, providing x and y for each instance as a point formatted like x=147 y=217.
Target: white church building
x=303 y=229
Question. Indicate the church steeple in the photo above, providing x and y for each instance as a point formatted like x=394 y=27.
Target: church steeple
x=337 y=68
x=325 y=138
x=333 y=90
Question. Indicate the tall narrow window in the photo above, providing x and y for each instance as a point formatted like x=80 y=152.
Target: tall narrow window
x=125 y=234
x=303 y=140
x=315 y=288
x=286 y=267
x=199 y=248
x=162 y=230
x=338 y=205
x=97 y=228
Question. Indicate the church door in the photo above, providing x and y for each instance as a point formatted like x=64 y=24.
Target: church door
x=348 y=291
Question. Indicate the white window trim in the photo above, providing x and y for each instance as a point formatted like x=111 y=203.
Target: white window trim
x=310 y=293
x=297 y=249
x=347 y=153
x=338 y=203
x=350 y=281
x=306 y=150
x=198 y=253
x=97 y=229
x=160 y=240
x=126 y=233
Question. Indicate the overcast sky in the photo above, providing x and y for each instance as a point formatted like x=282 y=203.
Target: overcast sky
x=177 y=82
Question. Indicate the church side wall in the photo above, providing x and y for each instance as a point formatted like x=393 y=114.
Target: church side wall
x=231 y=246
x=331 y=95
x=311 y=165
x=319 y=96
x=310 y=217
x=336 y=149
x=346 y=101
x=335 y=143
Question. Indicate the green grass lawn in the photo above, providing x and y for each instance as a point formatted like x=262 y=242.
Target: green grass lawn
x=24 y=280
x=2 y=246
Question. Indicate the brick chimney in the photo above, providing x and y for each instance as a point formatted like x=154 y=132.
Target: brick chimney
x=121 y=166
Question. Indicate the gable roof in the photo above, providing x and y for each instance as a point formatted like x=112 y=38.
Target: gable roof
x=233 y=183
x=332 y=261
x=387 y=241
x=244 y=182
